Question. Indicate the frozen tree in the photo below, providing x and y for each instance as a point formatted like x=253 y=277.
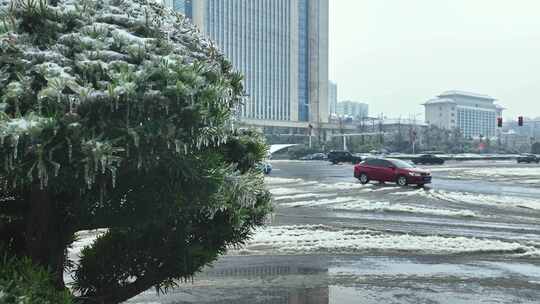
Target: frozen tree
x=118 y=114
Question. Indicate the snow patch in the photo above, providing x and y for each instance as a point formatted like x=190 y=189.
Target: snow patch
x=497 y=173
x=343 y=186
x=284 y=191
x=84 y=238
x=301 y=196
x=485 y=199
x=280 y=180
x=365 y=205
x=303 y=239
x=314 y=203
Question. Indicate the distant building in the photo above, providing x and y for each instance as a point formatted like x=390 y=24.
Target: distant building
x=354 y=109
x=516 y=141
x=530 y=128
x=474 y=114
x=281 y=48
x=332 y=97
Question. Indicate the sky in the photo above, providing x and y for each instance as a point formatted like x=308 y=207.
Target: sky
x=396 y=54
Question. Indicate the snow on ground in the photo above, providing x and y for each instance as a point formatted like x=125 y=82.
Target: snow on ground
x=301 y=196
x=324 y=239
x=342 y=186
x=484 y=199
x=279 y=180
x=84 y=238
x=366 y=205
x=321 y=202
x=496 y=173
x=284 y=191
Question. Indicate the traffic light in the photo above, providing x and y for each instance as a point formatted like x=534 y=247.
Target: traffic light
x=520 y=121
x=499 y=122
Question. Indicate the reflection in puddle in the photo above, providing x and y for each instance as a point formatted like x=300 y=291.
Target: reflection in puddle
x=344 y=280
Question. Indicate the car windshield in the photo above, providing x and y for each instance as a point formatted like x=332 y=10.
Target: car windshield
x=402 y=164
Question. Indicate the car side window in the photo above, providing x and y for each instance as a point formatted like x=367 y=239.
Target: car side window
x=371 y=162
x=376 y=163
x=386 y=164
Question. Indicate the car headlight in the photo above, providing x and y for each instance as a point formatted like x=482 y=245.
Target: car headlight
x=414 y=174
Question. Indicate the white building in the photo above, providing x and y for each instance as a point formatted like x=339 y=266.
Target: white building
x=355 y=109
x=474 y=114
x=519 y=142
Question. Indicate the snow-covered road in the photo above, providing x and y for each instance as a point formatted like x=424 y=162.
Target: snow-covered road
x=473 y=236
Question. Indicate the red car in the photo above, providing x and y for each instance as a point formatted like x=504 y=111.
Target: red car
x=391 y=170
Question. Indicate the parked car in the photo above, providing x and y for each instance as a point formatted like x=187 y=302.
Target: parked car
x=528 y=158
x=391 y=170
x=428 y=159
x=315 y=156
x=266 y=168
x=336 y=157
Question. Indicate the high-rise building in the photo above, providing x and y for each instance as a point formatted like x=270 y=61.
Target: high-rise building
x=354 y=109
x=332 y=97
x=280 y=46
x=474 y=114
x=182 y=6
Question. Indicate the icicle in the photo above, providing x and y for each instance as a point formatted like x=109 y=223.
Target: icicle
x=15 y=145
x=177 y=145
x=103 y=162
x=113 y=176
x=42 y=174
x=70 y=149
x=56 y=167
x=139 y=162
x=185 y=149
x=71 y=100
x=87 y=176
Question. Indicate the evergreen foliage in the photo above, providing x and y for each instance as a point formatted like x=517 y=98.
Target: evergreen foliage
x=118 y=114
x=22 y=282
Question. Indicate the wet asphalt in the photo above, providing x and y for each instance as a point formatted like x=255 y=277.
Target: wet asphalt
x=468 y=203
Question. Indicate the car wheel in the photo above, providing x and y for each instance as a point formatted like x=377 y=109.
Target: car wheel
x=364 y=179
x=402 y=181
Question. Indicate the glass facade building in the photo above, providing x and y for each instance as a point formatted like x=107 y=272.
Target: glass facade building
x=182 y=6
x=332 y=98
x=281 y=48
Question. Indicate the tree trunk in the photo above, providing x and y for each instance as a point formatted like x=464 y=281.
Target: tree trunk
x=46 y=235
